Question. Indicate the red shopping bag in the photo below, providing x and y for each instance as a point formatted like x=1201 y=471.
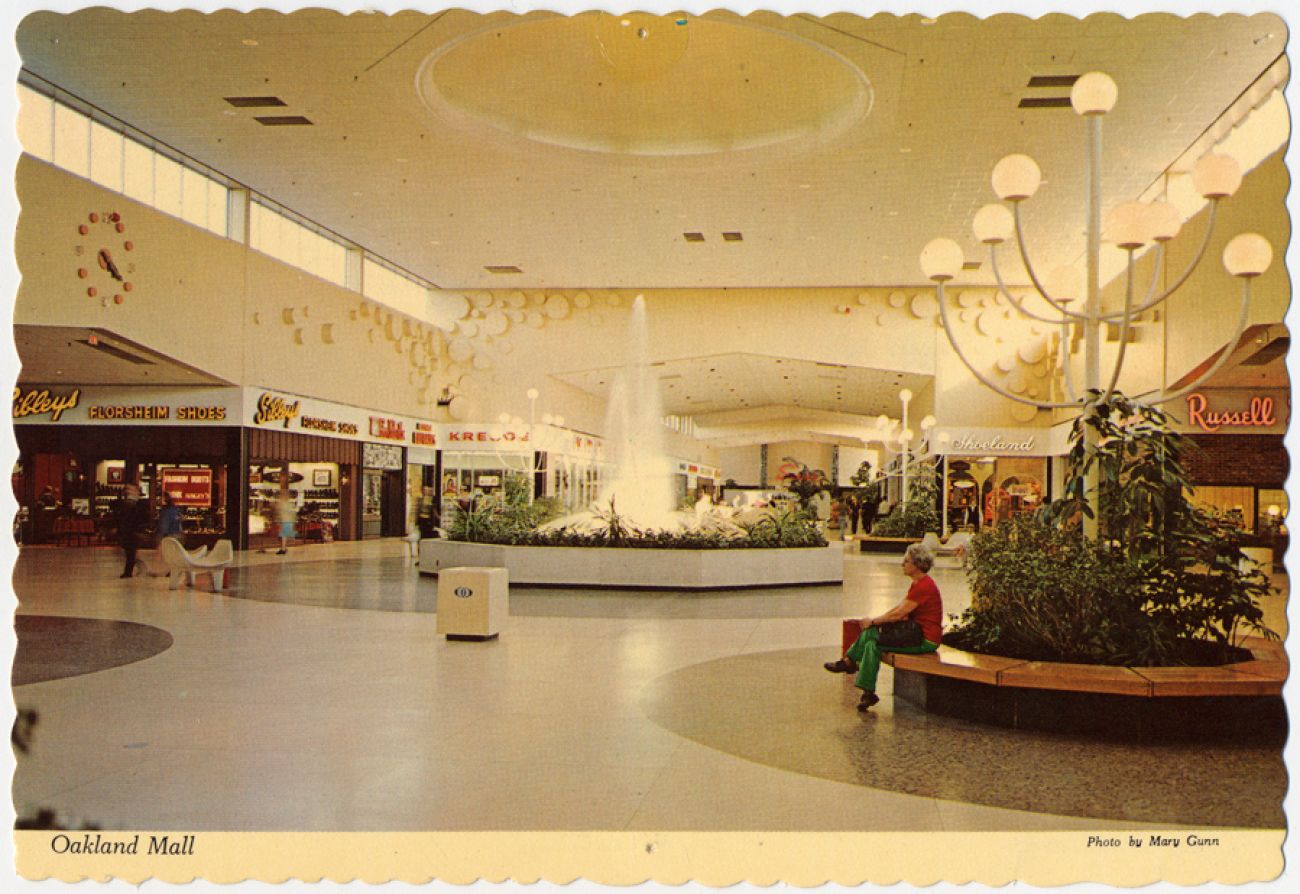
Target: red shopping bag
x=852 y=630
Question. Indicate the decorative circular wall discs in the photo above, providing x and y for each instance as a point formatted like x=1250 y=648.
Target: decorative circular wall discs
x=104 y=260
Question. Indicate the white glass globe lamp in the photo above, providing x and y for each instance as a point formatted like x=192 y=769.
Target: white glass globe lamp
x=1093 y=94
x=993 y=224
x=1163 y=221
x=1216 y=176
x=1247 y=255
x=941 y=259
x=1016 y=177
x=1126 y=225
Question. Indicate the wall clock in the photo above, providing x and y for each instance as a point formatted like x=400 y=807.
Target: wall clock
x=104 y=260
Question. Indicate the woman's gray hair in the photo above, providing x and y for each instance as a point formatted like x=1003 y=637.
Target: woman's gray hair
x=919 y=555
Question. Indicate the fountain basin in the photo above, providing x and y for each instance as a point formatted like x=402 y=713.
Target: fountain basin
x=642 y=569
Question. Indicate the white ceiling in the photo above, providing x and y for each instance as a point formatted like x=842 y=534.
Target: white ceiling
x=837 y=146
x=581 y=150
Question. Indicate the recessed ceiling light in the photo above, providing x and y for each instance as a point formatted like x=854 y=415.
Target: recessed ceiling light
x=249 y=42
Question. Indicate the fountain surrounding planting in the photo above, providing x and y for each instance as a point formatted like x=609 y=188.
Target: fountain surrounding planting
x=638 y=502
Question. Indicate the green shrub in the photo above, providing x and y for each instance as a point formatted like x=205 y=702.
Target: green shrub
x=1161 y=584
x=502 y=522
x=921 y=513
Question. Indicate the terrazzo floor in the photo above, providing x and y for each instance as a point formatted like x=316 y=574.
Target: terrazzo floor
x=315 y=695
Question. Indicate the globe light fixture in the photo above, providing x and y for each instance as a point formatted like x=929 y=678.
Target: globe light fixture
x=1093 y=94
x=1016 y=178
x=941 y=260
x=993 y=224
x=1216 y=176
x=1132 y=226
x=1126 y=225
x=1247 y=255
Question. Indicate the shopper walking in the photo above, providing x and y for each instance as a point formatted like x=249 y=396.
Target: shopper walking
x=130 y=519
x=286 y=515
x=168 y=524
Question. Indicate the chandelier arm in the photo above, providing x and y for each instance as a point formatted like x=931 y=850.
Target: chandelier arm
x=952 y=340
x=1016 y=303
x=1066 y=374
x=1123 y=329
x=1165 y=396
x=1029 y=268
x=1191 y=267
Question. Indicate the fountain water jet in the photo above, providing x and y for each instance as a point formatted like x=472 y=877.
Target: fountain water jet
x=642 y=483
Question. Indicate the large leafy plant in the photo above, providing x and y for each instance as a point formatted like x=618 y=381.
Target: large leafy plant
x=921 y=512
x=1163 y=583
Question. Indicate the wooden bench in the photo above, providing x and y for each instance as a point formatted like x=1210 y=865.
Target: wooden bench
x=1147 y=701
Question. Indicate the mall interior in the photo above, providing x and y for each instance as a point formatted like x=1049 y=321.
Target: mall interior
x=376 y=263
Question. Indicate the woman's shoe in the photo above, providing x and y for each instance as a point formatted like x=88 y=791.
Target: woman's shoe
x=868 y=699
x=843 y=666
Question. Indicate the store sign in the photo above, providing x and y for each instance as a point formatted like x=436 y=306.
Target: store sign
x=1259 y=413
x=39 y=401
x=424 y=435
x=188 y=487
x=388 y=429
x=133 y=406
x=381 y=456
x=316 y=424
x=272 y=408
x=1020 y=443
x=486 y=436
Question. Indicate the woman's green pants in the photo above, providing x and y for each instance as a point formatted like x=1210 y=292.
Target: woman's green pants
x=866 y=654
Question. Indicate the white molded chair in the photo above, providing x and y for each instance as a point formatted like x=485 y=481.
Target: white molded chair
x=213 y=562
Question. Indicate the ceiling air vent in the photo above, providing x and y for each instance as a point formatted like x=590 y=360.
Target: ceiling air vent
x=1053 y=80
x=255 y=102
x=734 y=236
x=1045 y=102
x=282 y=120
x=502 y=268
x=1037 y=82
x=693 y=237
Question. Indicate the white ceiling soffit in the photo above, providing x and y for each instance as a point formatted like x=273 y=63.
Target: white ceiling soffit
x=581 y=150
x=702 y=387
x=62 y=355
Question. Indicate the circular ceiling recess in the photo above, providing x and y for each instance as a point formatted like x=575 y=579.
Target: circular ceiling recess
x=641 y=84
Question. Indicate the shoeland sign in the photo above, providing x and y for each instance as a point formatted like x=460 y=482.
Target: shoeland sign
x=993 y=442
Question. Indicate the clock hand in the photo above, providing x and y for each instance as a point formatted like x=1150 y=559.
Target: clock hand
x=106 y=262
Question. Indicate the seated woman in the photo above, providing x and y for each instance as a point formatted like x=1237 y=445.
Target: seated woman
x=922 y=604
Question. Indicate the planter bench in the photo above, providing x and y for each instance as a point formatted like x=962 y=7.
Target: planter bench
x=1233 y=700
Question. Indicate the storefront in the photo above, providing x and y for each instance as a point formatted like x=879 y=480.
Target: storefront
x=80 y=447
x=422 y=461
x=694 y=481
x=992 y=475
x=343 y=468
x=478 y=459
x=1239 y=467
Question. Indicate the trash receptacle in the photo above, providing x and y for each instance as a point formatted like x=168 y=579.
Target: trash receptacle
x=472 y=602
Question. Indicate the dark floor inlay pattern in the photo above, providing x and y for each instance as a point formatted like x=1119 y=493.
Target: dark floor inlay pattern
x=782 y=710
x=51 y=648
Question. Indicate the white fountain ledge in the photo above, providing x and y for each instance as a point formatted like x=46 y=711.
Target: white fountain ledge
x=642 y=569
